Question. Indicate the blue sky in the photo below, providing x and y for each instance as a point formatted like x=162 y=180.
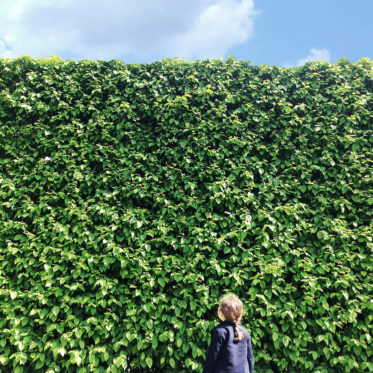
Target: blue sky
x=272 y=32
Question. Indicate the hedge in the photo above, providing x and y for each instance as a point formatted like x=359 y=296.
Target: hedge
x=133 y=196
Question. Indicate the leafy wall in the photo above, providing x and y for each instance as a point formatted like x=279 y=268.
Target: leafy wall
x=133 y=196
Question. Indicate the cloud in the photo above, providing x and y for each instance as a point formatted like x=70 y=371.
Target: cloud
x=109 y=29
x=218 y=27
x=313 y=55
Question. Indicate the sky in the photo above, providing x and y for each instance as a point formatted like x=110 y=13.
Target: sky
x=285 y=33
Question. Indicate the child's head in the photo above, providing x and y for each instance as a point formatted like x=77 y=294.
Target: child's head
x=231 y=308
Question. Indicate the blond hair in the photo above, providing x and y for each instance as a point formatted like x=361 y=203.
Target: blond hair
x=232 y=309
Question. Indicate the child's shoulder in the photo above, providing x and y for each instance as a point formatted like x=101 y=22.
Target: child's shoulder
x=242 y=327
x=222 y=327
x=245 y=331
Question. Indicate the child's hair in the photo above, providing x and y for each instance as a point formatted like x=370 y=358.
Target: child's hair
x=232 y=309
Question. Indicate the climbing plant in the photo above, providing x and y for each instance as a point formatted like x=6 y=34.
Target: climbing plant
x=133 y=196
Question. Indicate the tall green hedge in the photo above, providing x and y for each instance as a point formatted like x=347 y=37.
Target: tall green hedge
x=133 y=196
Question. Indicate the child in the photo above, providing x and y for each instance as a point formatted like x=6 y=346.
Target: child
x=230 y=349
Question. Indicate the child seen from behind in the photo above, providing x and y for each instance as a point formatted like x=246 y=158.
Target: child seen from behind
x=230 y=349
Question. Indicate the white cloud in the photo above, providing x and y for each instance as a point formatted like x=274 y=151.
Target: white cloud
x=218 y=27
x=313 y=55
x=109 y=29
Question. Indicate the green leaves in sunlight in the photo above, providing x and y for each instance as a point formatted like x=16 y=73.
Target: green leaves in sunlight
x=133 y=196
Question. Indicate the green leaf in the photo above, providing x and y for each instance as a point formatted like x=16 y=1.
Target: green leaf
x=149 y=362
x=179 y=342
x=55 y=310
x=39 y=364
x=172 y=363
x=302 y=188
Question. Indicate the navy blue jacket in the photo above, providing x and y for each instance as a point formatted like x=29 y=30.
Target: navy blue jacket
x=226 y=356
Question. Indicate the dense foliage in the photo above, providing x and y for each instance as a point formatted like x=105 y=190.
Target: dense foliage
x=133 y=196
